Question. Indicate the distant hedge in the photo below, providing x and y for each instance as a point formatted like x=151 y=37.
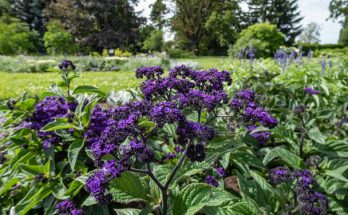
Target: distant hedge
x=318 y=47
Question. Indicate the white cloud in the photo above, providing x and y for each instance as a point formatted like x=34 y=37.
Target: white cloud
x=318 y=11
x=312 y=10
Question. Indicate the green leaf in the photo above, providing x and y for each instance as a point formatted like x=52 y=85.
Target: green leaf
x=338 y=173
x=194 y=197
x=73 y=152
x=27 y=105
x=32 y=169
x=58 y=124
x=33 y=197
x=285 y=155
x=74 y=188
x=87 y=112
x=88 y=89
x=244 y=207
x=8 y=185
x=128 y=188
x=316 y=135
x=146 y=125
x=128 y=211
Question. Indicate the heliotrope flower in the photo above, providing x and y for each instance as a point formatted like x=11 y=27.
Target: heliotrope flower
x=97 y=185
x=313 y=203
x=190 y=130
x=221 y=171
x=66 y=64
x=211 y=181
x=150 y=72
x=46 y=111
x=261 y=136
x=279 y=175
x=66 y=207
x=165 y=112
x=311 y=91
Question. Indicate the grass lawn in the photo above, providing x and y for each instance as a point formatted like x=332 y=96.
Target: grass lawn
x=15 y=84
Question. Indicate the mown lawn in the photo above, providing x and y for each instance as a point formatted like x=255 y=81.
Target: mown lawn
x=15 y=84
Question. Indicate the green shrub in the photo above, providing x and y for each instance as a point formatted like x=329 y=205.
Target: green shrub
x=154 y=42
x=57 y=40
x=16 y=37
x=264 y=37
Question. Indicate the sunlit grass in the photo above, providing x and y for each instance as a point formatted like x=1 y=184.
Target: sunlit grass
x=14 y=84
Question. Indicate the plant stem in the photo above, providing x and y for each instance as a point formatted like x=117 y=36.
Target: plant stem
x=303 y=132
x=165 y=193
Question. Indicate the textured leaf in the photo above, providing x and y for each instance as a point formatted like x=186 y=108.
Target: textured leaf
x=33 y=197
x=73 y=153
x=58 y=124
x=244 y=208
x=8 y=185
x=194 y=197
x=128 y=188
x=88 y=89
x=316 y=135
x=285 y=155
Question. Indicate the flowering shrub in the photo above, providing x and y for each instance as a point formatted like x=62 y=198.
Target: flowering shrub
x=195 y=143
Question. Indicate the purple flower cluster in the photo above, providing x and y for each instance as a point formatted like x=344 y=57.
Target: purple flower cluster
x=150 y=72
x=257 y=114
x=66 y=207
x=46 y=111
x=313 y=203
x=221 y=171
x=165 y=112
x=201 y=89
x=187 y=131
x=244 y=102
x=201 y=100
x=261 y=136
x=310 y=201
x=211 y=181
x=66 y=64
x=311 y=91
x=279 y=175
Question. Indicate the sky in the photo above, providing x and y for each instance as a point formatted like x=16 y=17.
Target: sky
x=312 y=10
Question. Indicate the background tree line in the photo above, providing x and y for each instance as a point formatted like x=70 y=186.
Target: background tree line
x=202 y=27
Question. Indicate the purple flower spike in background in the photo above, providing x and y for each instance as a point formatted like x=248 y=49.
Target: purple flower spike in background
x=311 y=91
x=251 y=54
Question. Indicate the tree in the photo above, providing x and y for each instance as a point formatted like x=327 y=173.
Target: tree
x=343 y=39
x=58 y=40
x=223 y=25
x=263 y=37
x=311 y=34
x=16 y=37
x=339 y=9
x=159 y=10
x=154 y=42
x=99 y=24
x=31 y=12
x=283 y=13
x=190 y=21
